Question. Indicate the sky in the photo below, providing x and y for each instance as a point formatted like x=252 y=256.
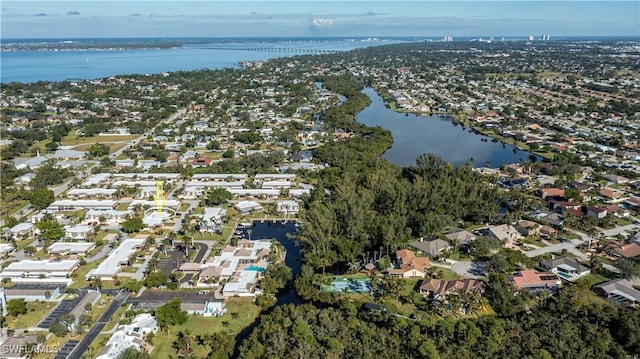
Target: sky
x=153 y=18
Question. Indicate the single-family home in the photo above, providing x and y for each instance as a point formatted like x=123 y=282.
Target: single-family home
x=534 y=281
x=621 y=250
x=439 y=289
x=430 y=247
x=618 y=291
x=409 y=265
x=567 y=268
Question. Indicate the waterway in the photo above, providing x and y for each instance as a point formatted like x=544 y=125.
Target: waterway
x=278 y=231
x=91 y=63
x=414 y=135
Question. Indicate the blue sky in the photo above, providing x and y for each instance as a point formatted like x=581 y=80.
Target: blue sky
x=74 y=19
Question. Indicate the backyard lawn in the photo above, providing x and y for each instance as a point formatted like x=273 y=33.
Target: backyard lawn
x=247 y=313
x=36 y=311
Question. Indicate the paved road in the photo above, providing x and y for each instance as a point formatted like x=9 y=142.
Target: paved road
x=81 y=346
x=202 y=250
x=615 y=231
x=103 y=253
x=570 y=246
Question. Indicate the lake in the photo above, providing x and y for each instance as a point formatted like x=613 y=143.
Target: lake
x=414 y=135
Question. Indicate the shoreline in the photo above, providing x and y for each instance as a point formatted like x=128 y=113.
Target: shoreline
x=465 y=122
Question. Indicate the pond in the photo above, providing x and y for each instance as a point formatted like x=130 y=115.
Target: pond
x=414 y=135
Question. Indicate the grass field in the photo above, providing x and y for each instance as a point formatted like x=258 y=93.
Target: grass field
x=247 y=313
x=80 y=273
x=36 y=311
x=112 y=146
x=73 y=140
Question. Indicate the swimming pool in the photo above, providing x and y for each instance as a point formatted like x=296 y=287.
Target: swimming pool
x=349 y=286
x=255 y=268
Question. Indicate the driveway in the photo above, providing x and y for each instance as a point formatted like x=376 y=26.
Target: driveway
x=469 y=269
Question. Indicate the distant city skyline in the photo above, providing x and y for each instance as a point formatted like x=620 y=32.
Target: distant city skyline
x=87 y=19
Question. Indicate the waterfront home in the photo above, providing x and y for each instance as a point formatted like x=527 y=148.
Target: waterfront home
x=246 y=207
x=287 y=207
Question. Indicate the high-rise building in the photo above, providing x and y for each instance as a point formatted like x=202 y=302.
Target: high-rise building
x=530 y=38
x=447 y=38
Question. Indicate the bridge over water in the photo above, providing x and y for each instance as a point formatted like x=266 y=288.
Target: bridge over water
x=277 y=49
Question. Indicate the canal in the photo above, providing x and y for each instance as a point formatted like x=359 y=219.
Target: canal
x=280 y=232
x=414 y=135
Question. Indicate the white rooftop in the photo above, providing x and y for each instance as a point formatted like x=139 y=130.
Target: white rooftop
x=30 y=265
x=5 y=248
x=25 y=226
x=81 y=247
x=111 y=266
x=129 y=335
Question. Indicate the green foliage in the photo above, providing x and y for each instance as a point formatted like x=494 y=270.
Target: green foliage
x=154 y=279
x=99 y=150
x=41 y=198
x=275 y=278
x=218 y=196
x=482 y=246
x=132 y=285
x=50 y=174
x=132 y=224
x=58 y=328
x=229 y=153
x=50 y=228
x=133 y=353
x=16 y=307
x=170 y=314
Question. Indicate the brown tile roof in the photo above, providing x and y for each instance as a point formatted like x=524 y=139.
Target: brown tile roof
x=532 y=278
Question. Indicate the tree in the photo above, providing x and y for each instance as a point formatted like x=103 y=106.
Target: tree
x=184 y=342
x=153 y=279
x=170 y=314
x=629 y=268
x=228 y=153
x=219 y=345
x=30 y=250
x=132 y=224
x=133 y=353
x=58 y=328
x=16 y=307
x=41 y=198
x=218 y=196
x=131 y=285
x=99 y=150
x=50 y=228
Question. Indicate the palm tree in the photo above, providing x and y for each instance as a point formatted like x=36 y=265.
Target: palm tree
x=184 y=341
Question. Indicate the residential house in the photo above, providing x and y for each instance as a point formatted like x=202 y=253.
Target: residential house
x=21 y=230
x=596 y=212
x=621 y=250
x=551 y=192
x=78 y=232
x=431 y=247
x=439 y=289
x=212 y=217
x=534 y=281
x=409 y=265
x=609 y=195
x=567 y=268
x=619 y=291
x=245 y=207
x=129 y=336
x=503 y=232
x=528 y=228
x=461 y=236
x=287 y=207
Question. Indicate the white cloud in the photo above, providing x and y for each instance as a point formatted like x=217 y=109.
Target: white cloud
x=322 y=22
